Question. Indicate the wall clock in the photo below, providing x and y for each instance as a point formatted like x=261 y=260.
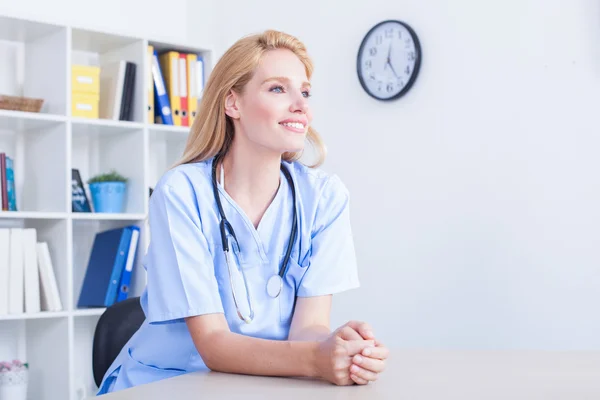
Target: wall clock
x=389 y=59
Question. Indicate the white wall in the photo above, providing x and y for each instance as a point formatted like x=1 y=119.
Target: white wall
x=476 y=198
x=173 y=21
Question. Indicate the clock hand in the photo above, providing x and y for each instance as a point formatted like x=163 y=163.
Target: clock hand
x=389 y=61
x=392 y=67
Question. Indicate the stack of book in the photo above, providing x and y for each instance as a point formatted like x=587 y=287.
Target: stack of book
x=8 y=197
x=27 y=280
x=117 y=84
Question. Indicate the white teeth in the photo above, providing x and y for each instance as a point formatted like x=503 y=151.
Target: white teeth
x=296 y=125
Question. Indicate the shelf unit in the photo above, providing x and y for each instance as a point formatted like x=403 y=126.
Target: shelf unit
x=35 y=60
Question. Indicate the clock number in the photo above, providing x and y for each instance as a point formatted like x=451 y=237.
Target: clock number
x=379 y=87
x=407 y=70
x=372 y=76
x=399 y=34
x=368 y=63
x=389 y=33
x=373 y=51
x=378 y=40
x=390 y=87
x=411 y=56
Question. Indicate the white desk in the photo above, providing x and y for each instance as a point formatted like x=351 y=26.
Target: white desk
x=414 y=375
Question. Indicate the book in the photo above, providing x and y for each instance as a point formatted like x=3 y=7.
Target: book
x=79 y=199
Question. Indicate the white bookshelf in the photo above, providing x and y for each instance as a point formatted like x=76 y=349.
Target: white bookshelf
x=35 y=60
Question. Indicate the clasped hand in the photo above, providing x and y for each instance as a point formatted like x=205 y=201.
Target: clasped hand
x=351 y=354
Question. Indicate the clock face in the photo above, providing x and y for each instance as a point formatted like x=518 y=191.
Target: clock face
x=388 y=60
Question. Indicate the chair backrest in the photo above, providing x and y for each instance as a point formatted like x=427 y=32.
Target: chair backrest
x=115 y=327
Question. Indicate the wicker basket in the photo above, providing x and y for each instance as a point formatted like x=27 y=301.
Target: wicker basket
x=20 y=103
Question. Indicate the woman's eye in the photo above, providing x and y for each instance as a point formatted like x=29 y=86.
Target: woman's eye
x=277 y=88
x=306 y=94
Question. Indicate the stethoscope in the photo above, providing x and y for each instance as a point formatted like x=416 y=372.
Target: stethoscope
x=275 y=282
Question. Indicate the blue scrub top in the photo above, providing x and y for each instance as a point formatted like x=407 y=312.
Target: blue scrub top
x=187 y=274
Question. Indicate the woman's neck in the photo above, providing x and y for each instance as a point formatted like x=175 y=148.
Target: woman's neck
x=251 y=179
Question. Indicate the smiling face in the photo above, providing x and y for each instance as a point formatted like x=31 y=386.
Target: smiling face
x=273 y=113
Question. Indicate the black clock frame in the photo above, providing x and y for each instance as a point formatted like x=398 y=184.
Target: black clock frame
x=416 y=70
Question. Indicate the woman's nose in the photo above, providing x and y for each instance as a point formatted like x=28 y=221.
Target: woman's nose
x=300 y=105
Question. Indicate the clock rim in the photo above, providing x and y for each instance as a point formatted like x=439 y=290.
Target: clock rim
x=416 y=69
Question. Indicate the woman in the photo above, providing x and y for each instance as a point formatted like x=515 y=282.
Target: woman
x=247 y=244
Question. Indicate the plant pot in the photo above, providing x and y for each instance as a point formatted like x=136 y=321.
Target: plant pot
x=108 y=197
x=13 y=385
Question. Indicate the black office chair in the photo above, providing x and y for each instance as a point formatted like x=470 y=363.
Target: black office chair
x=115 y=327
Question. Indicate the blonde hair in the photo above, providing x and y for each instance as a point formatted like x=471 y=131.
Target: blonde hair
x=212 y=130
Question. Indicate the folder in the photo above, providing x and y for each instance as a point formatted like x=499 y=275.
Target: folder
x=162 y=105
x=150 y=84
x=200 y=77
x=16 y=273
x=183 y=89
x=169 y=63
x=105 y=267
x=31 y=273
x=49 y=294
x=123 y=292
x=4 y=269
x=192 y=84
x=3 y=183
x=112 y=88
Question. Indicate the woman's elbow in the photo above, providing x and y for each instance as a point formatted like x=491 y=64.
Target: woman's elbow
x=208 y=338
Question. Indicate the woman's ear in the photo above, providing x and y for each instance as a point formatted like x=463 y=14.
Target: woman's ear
x=231 y=105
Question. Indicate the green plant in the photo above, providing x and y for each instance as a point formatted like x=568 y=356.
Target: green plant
x=111 y=176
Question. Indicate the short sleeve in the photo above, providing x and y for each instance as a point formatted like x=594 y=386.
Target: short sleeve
x=332 y=268
x=180 y=269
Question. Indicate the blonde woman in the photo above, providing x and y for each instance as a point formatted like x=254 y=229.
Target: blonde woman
x=248 y=245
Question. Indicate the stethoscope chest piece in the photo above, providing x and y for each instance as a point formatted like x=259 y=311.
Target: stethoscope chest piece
x=274 y=285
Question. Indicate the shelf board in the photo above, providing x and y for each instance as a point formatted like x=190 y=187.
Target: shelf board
x=89 y=126
x=32 y=215
x=21 y=30
x=107 y=216
x=99 y=42
x=40 y=315
x=181 y=47
x=167 y=132
x=89 y=312
x=23 y=121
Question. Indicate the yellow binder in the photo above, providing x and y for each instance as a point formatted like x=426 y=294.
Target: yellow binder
x=169 y=63
x=192 y=86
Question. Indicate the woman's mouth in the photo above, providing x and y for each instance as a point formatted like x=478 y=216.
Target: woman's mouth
x=297 y=127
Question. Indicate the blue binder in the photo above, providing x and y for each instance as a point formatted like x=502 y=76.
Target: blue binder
x=105 y=267
x=162 y=105
x=123 y=291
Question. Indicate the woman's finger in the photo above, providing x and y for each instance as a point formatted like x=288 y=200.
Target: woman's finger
x=362 y=328
x=363 y=373
x=358 y=380
x=380 y=352
x=370 y=364
x=347 y=333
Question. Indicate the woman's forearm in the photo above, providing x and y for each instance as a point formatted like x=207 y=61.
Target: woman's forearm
x=234 y=353
x=310 y=333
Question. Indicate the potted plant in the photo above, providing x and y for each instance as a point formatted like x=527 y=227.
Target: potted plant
x=108 y=192
x=13 y=380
